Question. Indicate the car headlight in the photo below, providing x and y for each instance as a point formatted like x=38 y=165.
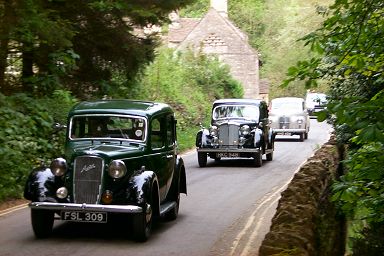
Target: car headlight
x=213 y=130
x=244 y=130
x=62 y=192
x=117 y=169
x=58 y=166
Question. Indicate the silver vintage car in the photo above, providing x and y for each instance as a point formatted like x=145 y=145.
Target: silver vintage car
x=289 y=116
x=239 y=128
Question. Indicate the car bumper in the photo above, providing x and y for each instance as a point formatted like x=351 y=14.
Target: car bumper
x=228 y=150
x=287 y=131
x=86 y=207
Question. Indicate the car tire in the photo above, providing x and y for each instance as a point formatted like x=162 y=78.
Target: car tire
x=202 y=159
x=306 y=136
x=42 y=222
x=301 y=137
x=258 y=159
x=174 y=212
x=272 y=148
x=142 y=224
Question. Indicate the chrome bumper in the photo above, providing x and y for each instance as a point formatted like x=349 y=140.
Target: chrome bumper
x=86 y=207
x=228 y=150
x=289 y=131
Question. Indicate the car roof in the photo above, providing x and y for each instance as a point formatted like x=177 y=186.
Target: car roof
x=120 y=106
x=238 y=101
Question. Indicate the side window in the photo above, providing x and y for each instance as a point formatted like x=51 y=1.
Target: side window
x=170 y=130
x=156 y=133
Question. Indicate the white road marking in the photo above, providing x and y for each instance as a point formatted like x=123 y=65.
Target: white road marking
x=267 y=202
x=13 y=209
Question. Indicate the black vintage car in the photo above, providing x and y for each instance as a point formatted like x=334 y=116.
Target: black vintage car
x=239 y=128
x=120 y=160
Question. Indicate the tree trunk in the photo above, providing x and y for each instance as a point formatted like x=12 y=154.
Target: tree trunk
x=27 y=70
x=7 y=18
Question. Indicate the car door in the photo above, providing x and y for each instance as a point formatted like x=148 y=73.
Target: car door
x=163 y=151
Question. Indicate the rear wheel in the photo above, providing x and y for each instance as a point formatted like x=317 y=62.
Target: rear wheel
x=142 y=224
x=202 y=159
x=42 y=222
x=301 y=137
x=306 y=135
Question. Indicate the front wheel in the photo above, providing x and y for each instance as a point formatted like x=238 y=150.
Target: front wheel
x=202 y=159
x=42 y=222
x=142 y=224
x=258 y=159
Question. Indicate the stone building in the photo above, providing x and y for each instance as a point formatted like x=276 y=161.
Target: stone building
x=216 y=34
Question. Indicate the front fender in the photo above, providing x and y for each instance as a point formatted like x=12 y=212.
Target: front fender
x=142 y=185
x=271 y=136
x=41 y=185
x=258 y=138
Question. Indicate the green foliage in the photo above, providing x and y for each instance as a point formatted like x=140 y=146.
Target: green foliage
x=195 y=10
x=351 y=58
x=188 y=82
x=72 y=44
x=284 y=23
x=27 y=138
x=247 y=14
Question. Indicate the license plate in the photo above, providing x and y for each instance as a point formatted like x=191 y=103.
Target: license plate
x=231 y=155
x=99 y=217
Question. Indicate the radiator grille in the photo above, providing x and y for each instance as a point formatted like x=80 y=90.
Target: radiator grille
x=87 y=179
x=229 y=134
x=284 y=122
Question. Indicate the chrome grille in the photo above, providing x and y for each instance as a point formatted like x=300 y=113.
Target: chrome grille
x=284 y=122
x=229 y=134
x=87 y=179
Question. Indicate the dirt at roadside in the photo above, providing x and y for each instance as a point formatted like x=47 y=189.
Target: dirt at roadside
x=12 y=203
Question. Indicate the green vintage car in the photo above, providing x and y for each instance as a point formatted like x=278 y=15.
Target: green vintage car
x=120 y=159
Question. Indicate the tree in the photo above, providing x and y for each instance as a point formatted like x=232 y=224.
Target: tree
x=78 y=43
x=350 y=44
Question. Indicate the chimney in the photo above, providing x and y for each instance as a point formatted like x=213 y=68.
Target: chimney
x=220 y=6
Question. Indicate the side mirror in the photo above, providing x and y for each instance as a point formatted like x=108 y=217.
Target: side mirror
x=58 y=127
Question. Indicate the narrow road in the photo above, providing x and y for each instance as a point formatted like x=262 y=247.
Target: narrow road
x=227 y=211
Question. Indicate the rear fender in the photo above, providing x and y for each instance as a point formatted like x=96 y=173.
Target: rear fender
x=181 y=175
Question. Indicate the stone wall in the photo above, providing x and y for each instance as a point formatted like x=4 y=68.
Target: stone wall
x=306 y=221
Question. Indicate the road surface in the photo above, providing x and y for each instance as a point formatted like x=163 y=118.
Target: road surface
x=227 y=211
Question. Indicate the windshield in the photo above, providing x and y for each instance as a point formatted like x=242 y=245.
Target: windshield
x=107 y=127
x=288 y=106
x=236 y=111
x=313 y=99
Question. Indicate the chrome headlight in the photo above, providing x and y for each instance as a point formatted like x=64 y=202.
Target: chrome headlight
x=62 y=192
x=244 y=130
x=58 y=166
x=117 y=169
x=213 y=130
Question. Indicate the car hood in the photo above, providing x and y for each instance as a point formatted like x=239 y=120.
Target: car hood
x=235 y=121
x=287 y=112
x=111 y=150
